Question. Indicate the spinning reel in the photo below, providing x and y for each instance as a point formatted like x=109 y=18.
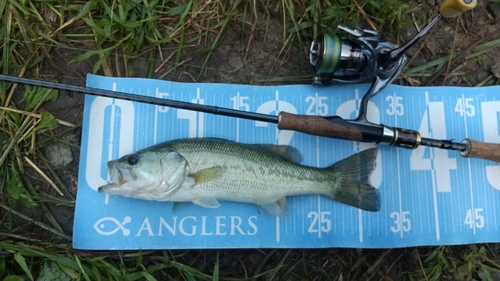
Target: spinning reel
x=361 y=55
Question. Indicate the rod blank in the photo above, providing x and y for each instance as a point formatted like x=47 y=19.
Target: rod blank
x=145 y=99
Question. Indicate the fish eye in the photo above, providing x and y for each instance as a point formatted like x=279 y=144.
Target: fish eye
x=133 y=159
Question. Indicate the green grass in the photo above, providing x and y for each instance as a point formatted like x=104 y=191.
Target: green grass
x=436 y=65
x=163 y=38
x=456 y=263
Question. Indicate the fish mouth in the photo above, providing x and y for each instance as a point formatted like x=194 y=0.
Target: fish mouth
x=119 y=176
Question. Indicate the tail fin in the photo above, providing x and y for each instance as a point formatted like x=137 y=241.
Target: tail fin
x=354 y=175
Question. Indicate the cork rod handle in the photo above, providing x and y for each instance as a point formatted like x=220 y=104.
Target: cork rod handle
x=483 y=150
x=335 y=127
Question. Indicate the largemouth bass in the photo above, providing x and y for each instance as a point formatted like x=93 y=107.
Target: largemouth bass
x=206 y=171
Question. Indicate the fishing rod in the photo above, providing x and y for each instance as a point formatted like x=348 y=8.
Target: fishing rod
x=333 y=127
x=337 y=60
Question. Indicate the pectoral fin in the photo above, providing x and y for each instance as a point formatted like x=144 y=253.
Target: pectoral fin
x=207 y=202
x=278 y=208
x=208 y=174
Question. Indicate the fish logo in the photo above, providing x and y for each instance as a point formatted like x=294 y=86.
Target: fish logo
x=101 y=225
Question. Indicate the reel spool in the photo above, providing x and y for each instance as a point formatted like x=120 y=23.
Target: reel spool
x=337 y=57
x=347 y=60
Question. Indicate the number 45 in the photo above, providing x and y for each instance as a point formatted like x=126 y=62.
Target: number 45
x=464 y=106
x=474 y=218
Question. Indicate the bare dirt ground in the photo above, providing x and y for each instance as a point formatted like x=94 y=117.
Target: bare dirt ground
x=255 y=55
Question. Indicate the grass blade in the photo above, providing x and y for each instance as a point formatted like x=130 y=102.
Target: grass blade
x=22 y=263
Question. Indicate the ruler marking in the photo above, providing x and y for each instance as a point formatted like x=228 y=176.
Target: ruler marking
x=433 y=174
x=471 y=191
x=400 y=197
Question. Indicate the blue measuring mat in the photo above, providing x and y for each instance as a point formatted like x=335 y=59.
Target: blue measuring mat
x=429 y=196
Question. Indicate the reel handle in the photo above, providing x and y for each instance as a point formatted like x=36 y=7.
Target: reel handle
x=449 y=8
